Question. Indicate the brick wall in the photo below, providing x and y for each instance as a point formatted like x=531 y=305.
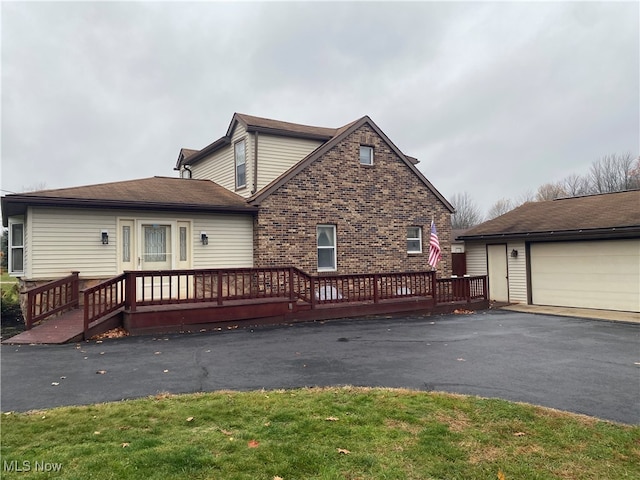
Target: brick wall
x=371 y=207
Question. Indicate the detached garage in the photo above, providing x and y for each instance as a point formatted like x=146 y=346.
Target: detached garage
x=574 y=252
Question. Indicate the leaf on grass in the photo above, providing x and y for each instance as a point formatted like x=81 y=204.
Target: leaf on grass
x=519 y=434
x=101 y=372
x=501 y=475
x=96 y=433
x=344 y=451
x=125 y=445
x=331 y=419
x=278 y=478
x=189 y=419
x=253 y=443
x=226 y=432
x=268 y=424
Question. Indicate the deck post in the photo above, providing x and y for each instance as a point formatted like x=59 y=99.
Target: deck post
x=30 y=309
x=292 y=293
x=434 y=288
x=376 y=290
x=219 y=288
x=130 y=291
x=75 y=288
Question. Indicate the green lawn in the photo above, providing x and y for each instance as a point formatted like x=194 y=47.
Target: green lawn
x=333 y=433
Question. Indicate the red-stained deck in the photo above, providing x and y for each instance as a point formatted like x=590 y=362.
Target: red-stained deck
x=68 y=327
x=192 y=300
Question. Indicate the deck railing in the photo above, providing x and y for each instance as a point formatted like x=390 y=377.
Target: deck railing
x=166 y=287
x=103 y=299
x=51 y=298
x=458 y=289
x=135 y=289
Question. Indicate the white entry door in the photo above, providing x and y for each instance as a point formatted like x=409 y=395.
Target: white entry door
x=498 y=275
x=156 y=247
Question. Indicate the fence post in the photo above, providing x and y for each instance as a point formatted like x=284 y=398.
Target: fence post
x=467 y=286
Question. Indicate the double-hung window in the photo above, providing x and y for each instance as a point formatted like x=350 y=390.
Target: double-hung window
x=16 y=247
x=366 y=155
x=326 y=237
x=241 y=164
x=414 y=240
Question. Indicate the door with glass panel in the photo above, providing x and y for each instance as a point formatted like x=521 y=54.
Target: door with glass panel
x=156 y=247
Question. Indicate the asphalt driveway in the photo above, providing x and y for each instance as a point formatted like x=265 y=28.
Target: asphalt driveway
x=580 y=365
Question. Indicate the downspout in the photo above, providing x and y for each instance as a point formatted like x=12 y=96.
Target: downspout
x=255 y=164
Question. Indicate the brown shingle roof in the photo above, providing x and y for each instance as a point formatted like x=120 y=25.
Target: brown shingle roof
x=158 y=193
x=610 y=214
x=284 y=128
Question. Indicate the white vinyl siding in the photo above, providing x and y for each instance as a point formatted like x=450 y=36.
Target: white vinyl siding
x=277 y=154
x=517 y=268
x=220 y=167
x=67 y=241
x=62 y=241
x=591 y=274
x=230 y=241
x=476 y=256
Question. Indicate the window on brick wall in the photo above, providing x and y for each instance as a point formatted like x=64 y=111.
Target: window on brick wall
x=414 y=240
x=326 y=236
x=366 y=155
x=241 y=164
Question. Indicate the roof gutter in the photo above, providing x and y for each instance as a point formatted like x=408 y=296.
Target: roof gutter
x=17 y=205
x=630 y=231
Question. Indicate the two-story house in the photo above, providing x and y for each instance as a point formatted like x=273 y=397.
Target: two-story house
x=267 y=193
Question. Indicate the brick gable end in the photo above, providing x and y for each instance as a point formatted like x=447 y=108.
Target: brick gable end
x=371 y=206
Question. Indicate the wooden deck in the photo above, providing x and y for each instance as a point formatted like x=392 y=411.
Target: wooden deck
x=68 y=327
x=194 y=300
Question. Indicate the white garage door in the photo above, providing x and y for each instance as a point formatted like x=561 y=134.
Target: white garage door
x=595 y=274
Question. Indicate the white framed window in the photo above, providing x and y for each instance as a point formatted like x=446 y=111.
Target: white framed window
x=16 y=246
x=414 y=240
x=326 y=238
x=366 y=155
x=241 y=164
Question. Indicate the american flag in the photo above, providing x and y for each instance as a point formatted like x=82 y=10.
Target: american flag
x=434 y=246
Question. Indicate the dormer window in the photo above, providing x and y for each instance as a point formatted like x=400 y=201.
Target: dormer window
x=366 y=155
x=241 y=164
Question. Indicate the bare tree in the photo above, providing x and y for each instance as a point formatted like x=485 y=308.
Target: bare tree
x=501 y=207
x=550 y=191
x=614 y=173
x=575 y=185
x=467 y=212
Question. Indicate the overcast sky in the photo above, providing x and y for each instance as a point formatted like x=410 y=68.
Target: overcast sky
x=494 y=99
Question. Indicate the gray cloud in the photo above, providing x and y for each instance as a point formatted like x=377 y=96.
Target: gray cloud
x=493 y=98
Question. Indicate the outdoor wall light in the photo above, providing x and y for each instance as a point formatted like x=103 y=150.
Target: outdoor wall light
x=514 y=253
x=105 y=237
x=204 y=238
